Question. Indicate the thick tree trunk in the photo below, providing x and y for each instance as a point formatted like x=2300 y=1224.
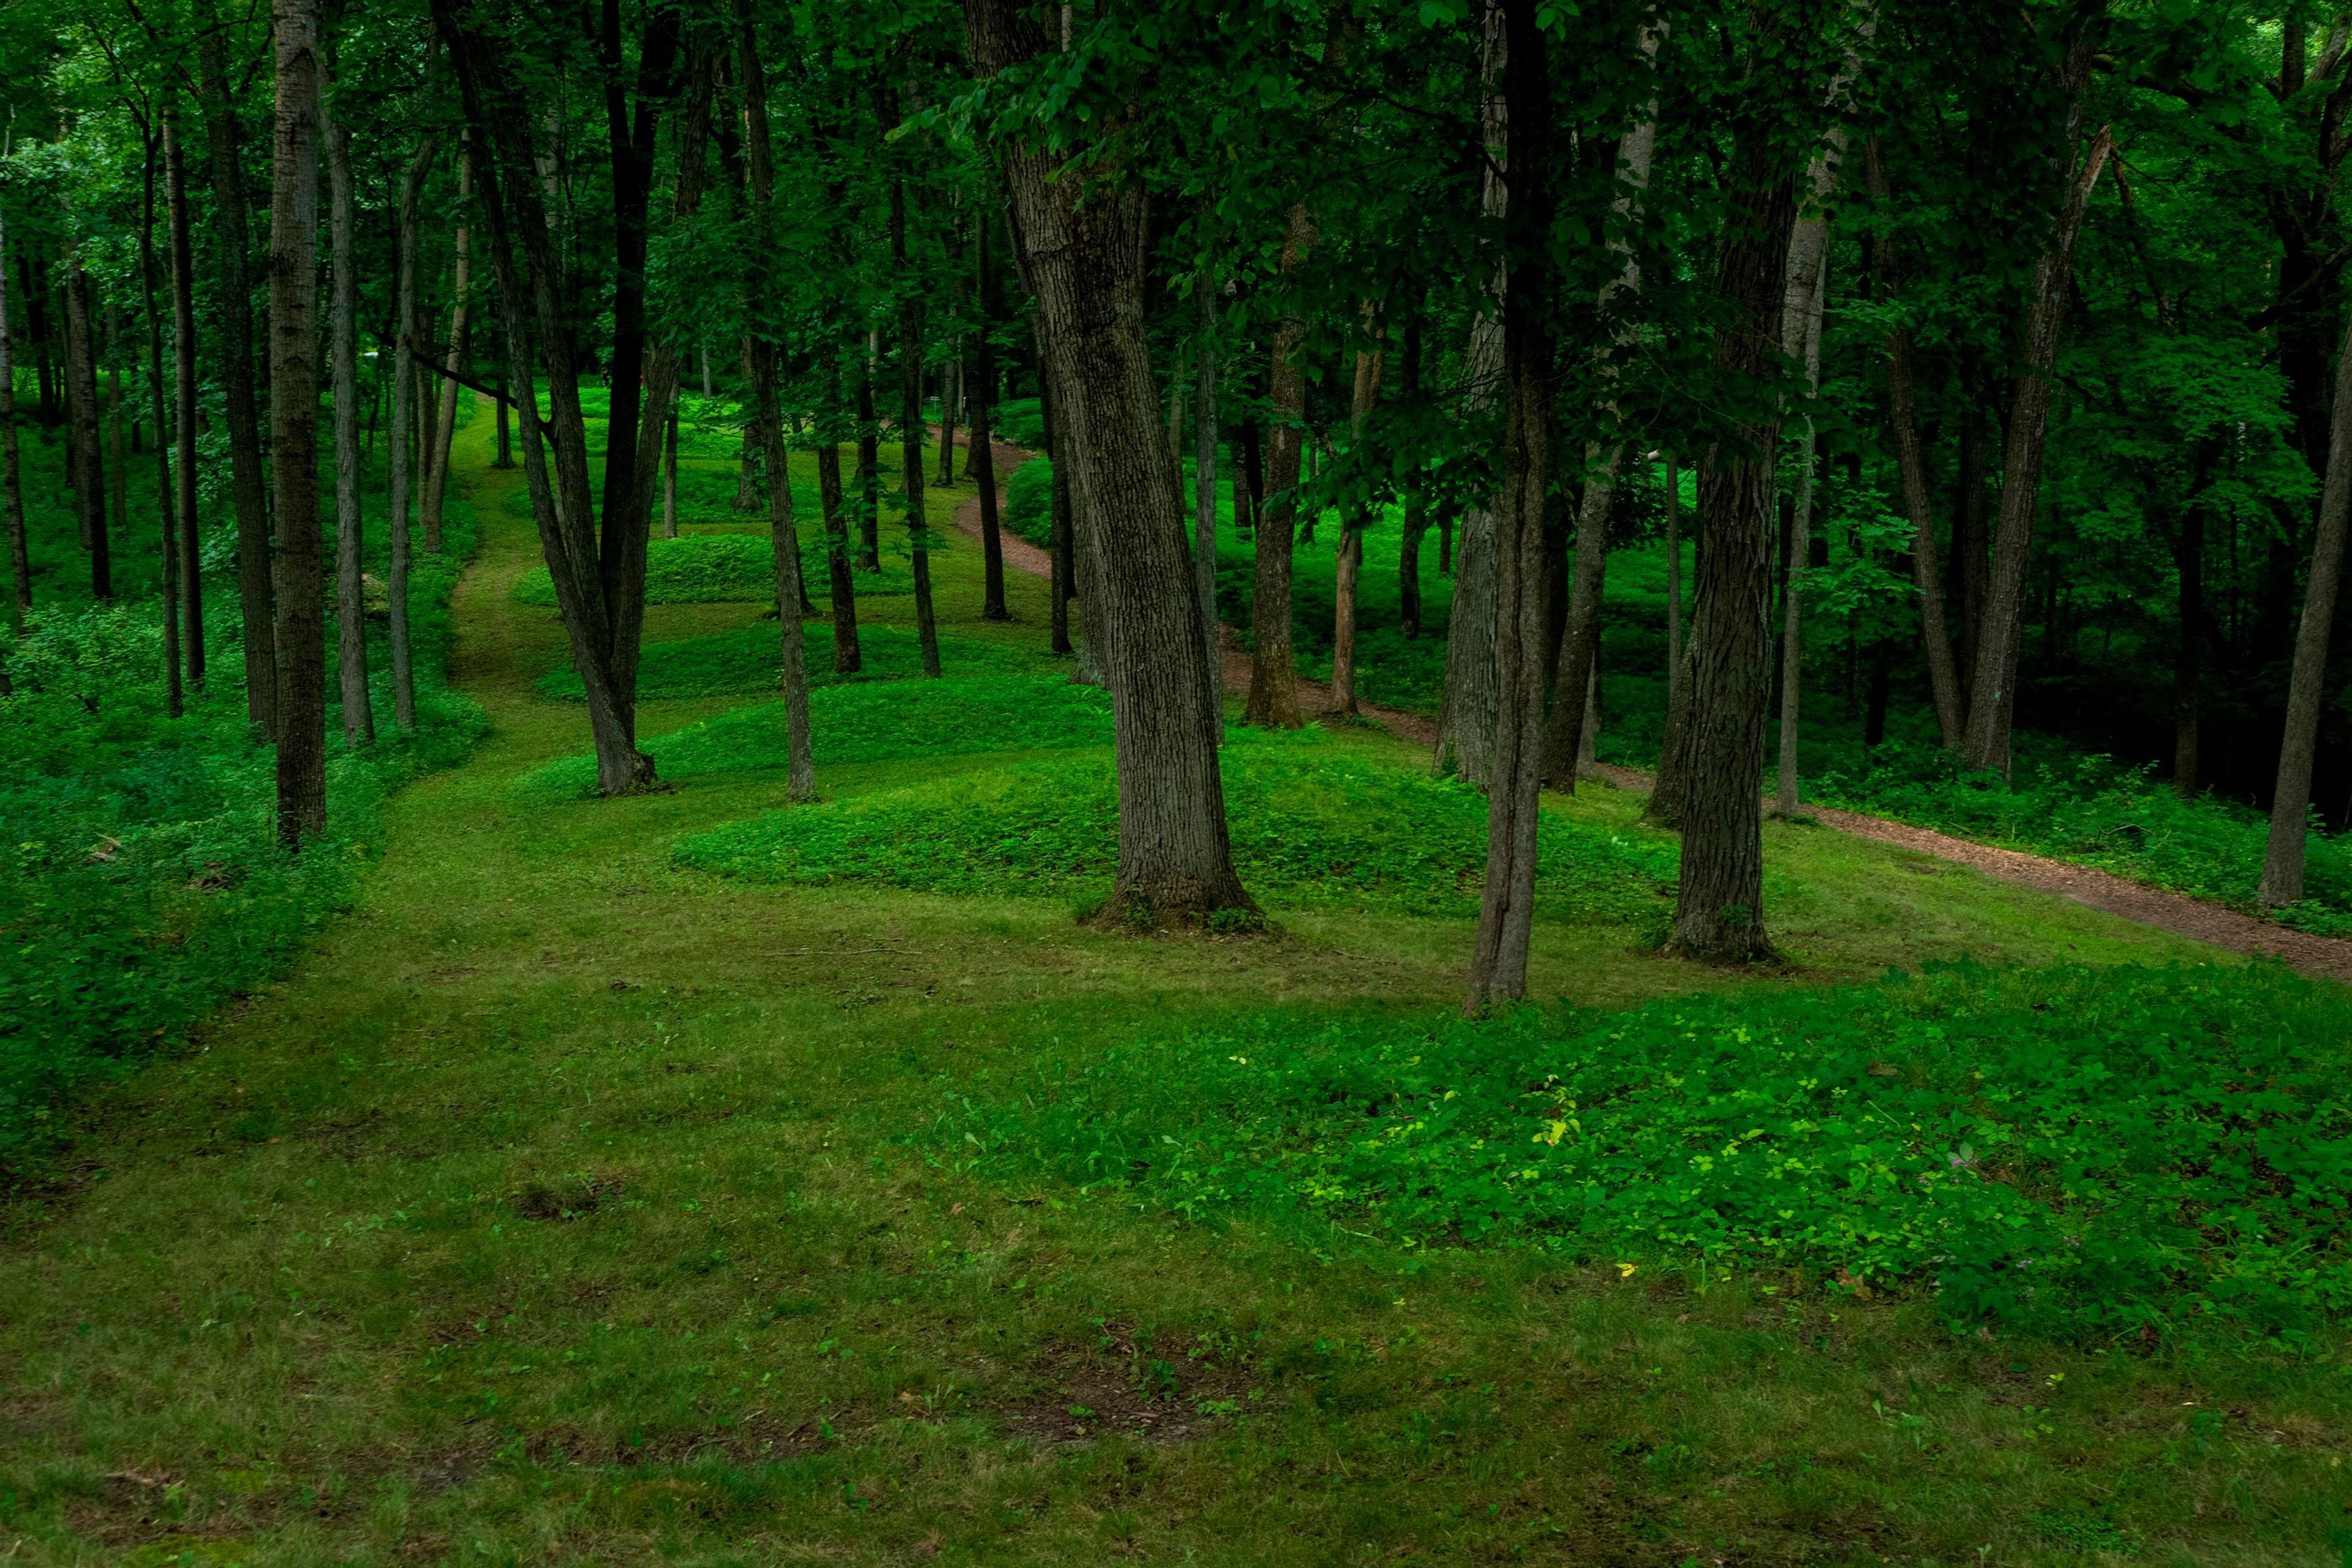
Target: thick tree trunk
x=2188 y=674
x=1720 y=911
x=350 y=596
x=183 y=388
x=1498 y=962
x=1273 y=682
x=783 y=533
x=167 y=542
x=1085 y=258
x=2282 y=879
x=12 y=492
x=629 y=462
x=1673 y=574
x=89 y=444
x=298 y=590
x=1993 y=697
x=240 y=412
x=445 y=422
x=399 y=450
x=847 y=657
x=980 y=460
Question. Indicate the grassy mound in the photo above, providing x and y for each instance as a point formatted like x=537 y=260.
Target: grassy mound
x=870 y=722
x=2076 y=1150
x=1310 y=824
x=715 y=568
x=749 y=662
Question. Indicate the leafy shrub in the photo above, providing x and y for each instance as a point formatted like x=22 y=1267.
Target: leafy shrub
x=1029 y=502
x=749 y=660
x=2070 y=1150
x=870 y=722
x=1020 y=421
x=1310 y=824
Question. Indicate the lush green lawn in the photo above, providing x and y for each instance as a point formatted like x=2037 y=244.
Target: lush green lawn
x=568 y=1204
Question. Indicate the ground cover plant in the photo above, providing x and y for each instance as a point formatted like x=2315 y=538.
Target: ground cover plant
x=871 y=722
x=747 y=662
x=1313 y=822
x=718 y=568
x=2068 y=1151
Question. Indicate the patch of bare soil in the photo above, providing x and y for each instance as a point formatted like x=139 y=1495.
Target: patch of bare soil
x=1114 y=1386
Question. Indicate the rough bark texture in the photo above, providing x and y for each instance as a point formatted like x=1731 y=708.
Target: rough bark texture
x=167 y=542
x=351 y=598
x=1804 y=292
x=1994 y=696
x=1498 y=962
x=629 y=464
x=89 y=440
x=1720 y=911
x=1085 y=261
x=297 y=589
x=12 y=493
x=399 y=450
x=911 y=409
x=184 y=389
x=445 y=422
x=233 y=276
x=2281 y=880
x=1274 y=686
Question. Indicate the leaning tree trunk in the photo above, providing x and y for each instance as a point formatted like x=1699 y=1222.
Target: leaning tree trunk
x=1993 y=700
x=445 y=422
x=399 y=450
x=240 y=411
x=184 y=389
x=1498 y=962
x=760 y=178
x=297 y=588
x=1273 y=683
x=1086 y=255
x=12 y=493
x=350 y=588
x=2281 y=880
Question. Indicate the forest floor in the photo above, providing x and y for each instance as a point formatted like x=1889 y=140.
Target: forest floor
x=564 y=1206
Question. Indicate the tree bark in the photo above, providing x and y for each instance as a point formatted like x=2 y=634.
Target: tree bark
x=1993 y=698
x=445 y=422
x=2282 y=879
x=89 y=446
x=979 y=462
x=1673 y=574
x=1087 y=264
x=232 y=265
x=1351 y=542
x=783 y=534
x=629 y=462
x=847 y=657
x=184 y=366
x=399 y=450
x=12 y=492
x=1498 y=962
x=1204 y=488
x=1063 y=587
x=167 y=542
x=351 y=595
x=869 y=460
x=911 y=407
x=298 y=590
x=1803 y=294
x=1274 y=682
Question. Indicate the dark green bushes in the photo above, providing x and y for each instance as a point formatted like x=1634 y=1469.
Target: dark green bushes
x=1029 y=502
x=2072 y=1151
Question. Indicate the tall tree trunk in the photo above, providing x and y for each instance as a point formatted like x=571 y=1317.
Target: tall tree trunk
x=980 y=463
x=12 y=492
x=118 y=462
x=1498 y=962
x=2187 y=675
x=2282 y=879
x=298 y=590
x=1274 y=682
x=399 y=450
x=1720 y=911
x=1803 y=293
x=350 y=588
x=1064 y=586
x=1993 y=698
x=1673 y=574
x=948 y=391
x=445 y=422
x=1085 y=253
x=1943 y=677
x=847 y=655
x=1205 y=489
x=760 y=171
x=629 y=463
x=88 y=445
x=233 y=276
x=670 y=472
x=869 y=460
x=753 y=455
x=505 y=459
x=1351 y=545
x=183 y=388
x=911 y=407
x=167 y=543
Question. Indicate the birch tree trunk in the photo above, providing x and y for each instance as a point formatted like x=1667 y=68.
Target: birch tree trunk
x=183 y=387
x=296 y=587
x=350 y=596
x=1086 y=261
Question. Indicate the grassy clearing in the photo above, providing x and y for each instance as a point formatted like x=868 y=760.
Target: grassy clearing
x=748 y=661
x=565 y=1204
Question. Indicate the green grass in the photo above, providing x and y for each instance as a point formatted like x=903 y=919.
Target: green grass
x=749 y=661
x=717 y=568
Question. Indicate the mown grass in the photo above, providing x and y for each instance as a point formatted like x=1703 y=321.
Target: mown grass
x=567 y=1204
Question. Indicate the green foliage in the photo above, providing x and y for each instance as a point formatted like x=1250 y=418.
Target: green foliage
x=1310 y=824
x=1020 y=421
x=715 y=568
x=870 y=722
x=749 y=660
x=1029 y=502
x=2072 y=1151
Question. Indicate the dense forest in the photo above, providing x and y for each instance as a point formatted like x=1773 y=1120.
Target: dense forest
x=1296 y=728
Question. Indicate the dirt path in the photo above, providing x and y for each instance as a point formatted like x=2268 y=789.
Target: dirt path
x=2329 y=958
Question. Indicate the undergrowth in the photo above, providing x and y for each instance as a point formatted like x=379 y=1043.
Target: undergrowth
x=716 y=568
x=2072 y=1152
x=749 y=660
x=1309 y=824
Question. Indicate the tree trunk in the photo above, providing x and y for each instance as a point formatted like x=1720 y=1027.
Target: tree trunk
x=234 y=280
x=1994 y=697
x=505 y=459
x=2282 y=879
x=1273 y=682
x=183 y=387
x=752 y=453
x=1252 y=488
x=117 y=485
x=847 y=658
x=1064 y=586
x=88 y=445
x=1719 y=912
x=947 y=424
x=869 y=460
x=1351 y=542
x=399 y=450
x=1205 y=489
x=167 y=542
x=979 y=462
x=911 y=407
x=1943 y=678
x=350 y=596
x=12 y=492
x=2187 y=694
x=1673 y=574
x=1498 y=962
x=297 y=588
x=1803 y=294
x=633 y=443
x=669 y=471
x=760 y=170
x=445 y=424
x=1086 y=261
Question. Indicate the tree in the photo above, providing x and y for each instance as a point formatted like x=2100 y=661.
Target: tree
x=296 y=587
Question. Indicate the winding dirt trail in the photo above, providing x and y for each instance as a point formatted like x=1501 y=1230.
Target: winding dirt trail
x=2328 y=958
